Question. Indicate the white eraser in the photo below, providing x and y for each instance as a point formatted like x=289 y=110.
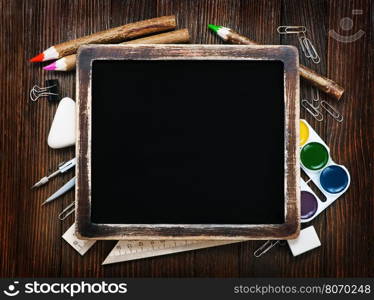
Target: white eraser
x=62 y=132
x=82 y=246
x=307 y=240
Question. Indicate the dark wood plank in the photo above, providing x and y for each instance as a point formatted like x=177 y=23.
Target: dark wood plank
x=97 y=16
x=350 y=223
x=31 y=243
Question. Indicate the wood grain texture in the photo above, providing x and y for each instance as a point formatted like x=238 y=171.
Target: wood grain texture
x=31 y=243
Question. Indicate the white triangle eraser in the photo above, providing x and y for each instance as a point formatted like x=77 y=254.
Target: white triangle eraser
x=62 y=132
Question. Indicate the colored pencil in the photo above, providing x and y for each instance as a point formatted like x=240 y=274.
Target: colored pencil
x=113 y=35
x=67 y=63
x=326 y=85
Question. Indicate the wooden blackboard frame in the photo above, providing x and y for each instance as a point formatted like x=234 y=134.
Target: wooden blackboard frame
x=88 y=230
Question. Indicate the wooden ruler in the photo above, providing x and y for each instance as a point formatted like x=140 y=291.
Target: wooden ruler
x=81 y=246
x=131 y=250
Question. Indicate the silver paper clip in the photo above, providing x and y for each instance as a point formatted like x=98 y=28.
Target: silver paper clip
x=266 y=247
x=50 y=91
x=312 y=110
x=315 y=98
x=308 y=49
x=68 y=210
x=306 y=44
x=332 y=111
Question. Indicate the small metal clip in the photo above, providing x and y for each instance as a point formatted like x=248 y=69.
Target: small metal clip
x=68 y=210
x=50 y=91
x=308 y=48
x=315 y=98
x=291 y=29
x=266 y=247
x=312 y=110
x=306 y=44
x=332 y=111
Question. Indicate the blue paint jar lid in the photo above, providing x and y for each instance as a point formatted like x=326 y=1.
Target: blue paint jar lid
x=334 y=179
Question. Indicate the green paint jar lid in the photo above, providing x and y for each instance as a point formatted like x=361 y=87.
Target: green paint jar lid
x=314 y=156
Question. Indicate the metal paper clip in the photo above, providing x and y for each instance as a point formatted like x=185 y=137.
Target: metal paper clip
x=308 y=48
x=266 y=247
x=306 y=44
x=332 y=111
x=291 y=29
x=50 y=91
x=68 y=210
x=312 y=110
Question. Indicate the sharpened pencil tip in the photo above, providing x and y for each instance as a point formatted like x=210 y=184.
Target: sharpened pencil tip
x=38 y=58
x=214 y=28
x=50 y=67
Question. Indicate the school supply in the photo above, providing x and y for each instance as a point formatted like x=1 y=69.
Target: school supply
x=67 y=63
x=332 y=111
x=62 y=132
x=113 y=35
x=62 y=168
x=132 y=250
x=267 y=246
x=324 y=84
x=306 y=241
x=62 y=190
x=178 y=151
x=306 y=44
x=315 y=106
x=314 y=112
x=67 y=211
x=330 y=178
x=51 y=91
x=81 y=246
x=310 y=52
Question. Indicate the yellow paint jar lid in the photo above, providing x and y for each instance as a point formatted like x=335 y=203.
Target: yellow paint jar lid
x=304 y=133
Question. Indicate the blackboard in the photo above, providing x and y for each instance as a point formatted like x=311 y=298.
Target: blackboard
x=186 y=146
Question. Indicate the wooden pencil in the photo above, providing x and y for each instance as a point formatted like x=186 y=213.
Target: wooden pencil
x=326 y=85
x=113 y=35
x=67 y=63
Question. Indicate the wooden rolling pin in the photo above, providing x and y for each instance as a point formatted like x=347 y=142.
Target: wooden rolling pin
x=326 y=85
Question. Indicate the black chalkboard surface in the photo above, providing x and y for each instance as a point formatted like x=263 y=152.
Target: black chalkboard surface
x=187 y=142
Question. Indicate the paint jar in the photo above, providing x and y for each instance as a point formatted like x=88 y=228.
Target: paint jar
x=334 y=179
x=314 y=156
x=309 y=204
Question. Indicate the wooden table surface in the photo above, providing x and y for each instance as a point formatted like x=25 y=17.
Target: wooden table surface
x=30 y=235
